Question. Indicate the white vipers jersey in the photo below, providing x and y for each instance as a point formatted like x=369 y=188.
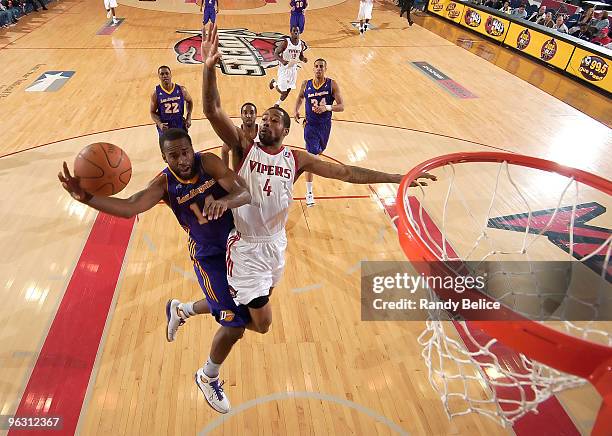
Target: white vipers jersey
x=292 y=54
x=270 y=180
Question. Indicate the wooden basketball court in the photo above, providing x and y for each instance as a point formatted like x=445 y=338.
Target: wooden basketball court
x=321 y=369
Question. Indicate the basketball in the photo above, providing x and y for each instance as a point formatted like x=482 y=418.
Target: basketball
x=103 y=169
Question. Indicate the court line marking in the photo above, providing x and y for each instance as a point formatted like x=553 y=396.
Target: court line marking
x=149 y=242
x=309 y=395
x=60 y=378
x=186 y=274
x=307 y=288
x=425 y=132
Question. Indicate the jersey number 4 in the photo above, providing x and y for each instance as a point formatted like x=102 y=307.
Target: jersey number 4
x=171 y=108
x=267 y=188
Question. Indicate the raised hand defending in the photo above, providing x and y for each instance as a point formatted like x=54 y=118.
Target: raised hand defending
x=210 y=46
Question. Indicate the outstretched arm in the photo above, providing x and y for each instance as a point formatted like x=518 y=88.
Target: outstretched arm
x=349 y=173
x=299 y=101
x=123 y=207
x=220 y=122
x=238 y=193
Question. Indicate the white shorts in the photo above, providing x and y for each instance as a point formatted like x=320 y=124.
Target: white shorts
x=287 y=77
x=110 y=4
x=365 y=11
x=254 y=267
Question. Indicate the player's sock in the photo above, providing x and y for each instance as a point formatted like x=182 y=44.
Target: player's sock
x=211 y=369
x=278 y=102
x=187 y=309
x=309 y=187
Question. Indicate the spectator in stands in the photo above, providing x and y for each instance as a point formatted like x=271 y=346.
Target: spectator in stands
x=12 y=10
x=587 y=17
x=506 y=8
x=604 y=21
x=548 y=20
x=602 y=37
x=6 y=18
x=41 y=3
x=560 y=25
x=582 y=32
x=493 y=4
x=537 y=15
x=520 y=12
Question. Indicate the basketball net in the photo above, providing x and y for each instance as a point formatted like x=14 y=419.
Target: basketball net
x=465 y=356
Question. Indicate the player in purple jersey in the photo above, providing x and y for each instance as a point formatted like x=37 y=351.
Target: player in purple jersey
x=200 y=190
x=211 y=9
x=168 y=103
x=322 y=96
x=297 y=14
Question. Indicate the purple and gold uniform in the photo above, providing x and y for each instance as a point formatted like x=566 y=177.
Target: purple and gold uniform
x=318 y=126
x=207 y=242
x=297 y=14
x=171 y=107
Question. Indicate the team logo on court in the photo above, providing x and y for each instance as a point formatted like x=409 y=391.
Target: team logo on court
x=593 y=68
x=549 y=50
x=586 y=238
x=243 y=53
x=522 y=41
x=494 y=27
x=472 y=18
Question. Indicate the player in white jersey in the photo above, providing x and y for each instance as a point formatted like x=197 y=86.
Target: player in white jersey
x=365 y=14
x=289 y=53
x=256 y=249
x=248 y=115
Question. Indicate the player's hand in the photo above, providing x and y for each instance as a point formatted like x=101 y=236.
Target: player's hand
x=304 y=59
x=210 y=46
x=188 y=122
x=71 y=184
x=163 y=126
x=284 y=62
x=319 y=109
x=296 y=117
x=213 y=209
x=416 y=181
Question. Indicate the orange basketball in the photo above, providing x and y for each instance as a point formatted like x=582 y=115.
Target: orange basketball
x=103 y=169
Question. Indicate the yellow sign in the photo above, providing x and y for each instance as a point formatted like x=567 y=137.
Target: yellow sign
x=447 y=9
x=485 y=23
x=539 y=45
x=591 y=67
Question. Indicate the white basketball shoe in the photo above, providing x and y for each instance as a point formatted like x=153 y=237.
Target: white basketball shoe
x=310 y=199
x=213 y=391
x=175 y=320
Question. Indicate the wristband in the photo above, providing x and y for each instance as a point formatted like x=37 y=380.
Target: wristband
x=328 y=107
